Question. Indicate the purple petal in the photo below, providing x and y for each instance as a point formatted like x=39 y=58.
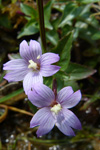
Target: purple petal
x=24 y=50
x=72 y=100
x=15 y=64
x=41 y=118
x=44 y=93
x=71 y=119
x=37 y=78
x=38 y=117
x=49 y=70
x=16 y=75
x=46 y=124
x=30 y=79
x=37 y=100
x=49 y=58
x=35 y=49
x=64 y=93
x=63 y=126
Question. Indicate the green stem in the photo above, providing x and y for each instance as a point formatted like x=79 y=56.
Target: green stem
x=41 y=23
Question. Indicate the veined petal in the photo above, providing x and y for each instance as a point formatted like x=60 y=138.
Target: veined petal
x=41 y=119
x=15 y=64
x=35 y=50
x=63 y=126
x=37 y=100
x=38 y=117
x=72 y=100
x=37 y=78
x=71 y=119
x=44 y=93
x=16 y=75
x=27 y=82
x=49 y=70
x=49 y=58
x=30 y=79
x=24 y=50
x=47 y=122
x=64 y=93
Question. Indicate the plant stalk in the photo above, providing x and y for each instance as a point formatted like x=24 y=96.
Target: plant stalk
x=41 y=23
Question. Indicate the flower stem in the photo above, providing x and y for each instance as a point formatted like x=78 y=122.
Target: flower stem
x=54 y=87
x=41 y=23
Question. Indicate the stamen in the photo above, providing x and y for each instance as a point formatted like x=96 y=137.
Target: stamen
x=32 y=64
x=56 y=108
x=38 y=57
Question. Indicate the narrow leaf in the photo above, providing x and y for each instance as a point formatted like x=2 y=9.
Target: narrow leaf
x=47 y=14
x=9 y=96
x=65 y=54
x=87 y=1
x=70 y=12
x=29 y=29
x=52 y=36
x=77 y=72
x=28 y=10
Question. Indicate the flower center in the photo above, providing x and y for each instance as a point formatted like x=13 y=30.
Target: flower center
x=56 y=108
x=33 y=65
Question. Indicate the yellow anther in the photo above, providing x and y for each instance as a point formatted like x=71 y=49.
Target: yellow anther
x=38 y=57
x=32 y=64
x=56 y=108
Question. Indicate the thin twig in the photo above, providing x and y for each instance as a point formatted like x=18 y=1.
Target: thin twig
x=16 y=109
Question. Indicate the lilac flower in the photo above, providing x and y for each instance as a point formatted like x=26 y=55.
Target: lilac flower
x=54 y=109
x=32 y=67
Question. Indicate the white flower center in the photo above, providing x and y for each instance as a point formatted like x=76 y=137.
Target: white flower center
x=32 y=65
x=56 y=108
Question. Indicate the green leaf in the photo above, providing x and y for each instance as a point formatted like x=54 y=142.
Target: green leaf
x=66 y=29
x=52 y=36
x=65 y=54
x=72 y=83
x=77 y=72
x=85 y=10
x=61 y=44
x=63 y=49
x=28 y=10
x=96 y=36
x=60 y=84
x=87 y=1
x=14 y=56
x=47 y=14
x=60 y=81
x=55 y=23
x=90 y=20
x=59 y=7
x=32 y=107
x=9 y=96
x=70 y=12
x=30 y=29
x=48 y=81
